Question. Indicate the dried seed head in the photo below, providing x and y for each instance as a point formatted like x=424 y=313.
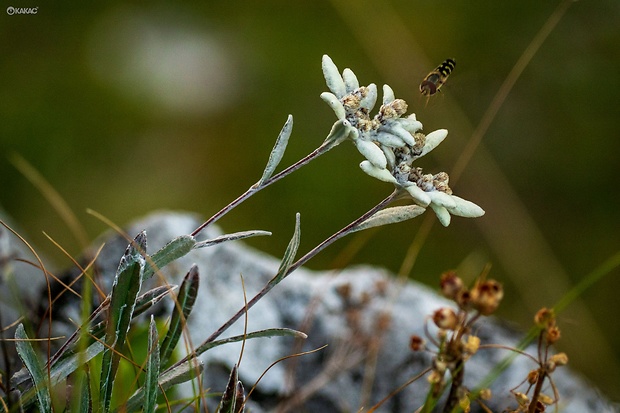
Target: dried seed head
x=532 y=376
x=560 y=359
x=440 y=181
x=521 y=398
x=556 y=360
x=486 y=296
x=416 y=343
x=552 y=335
x=543 y=398
x=445 y=318
x=464 y=300
x=420 y=141
x=393 y=110
x=450 y=284
x=544 y=317
x=471 y=345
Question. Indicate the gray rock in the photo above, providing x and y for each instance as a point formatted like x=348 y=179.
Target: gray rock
x=363 y=314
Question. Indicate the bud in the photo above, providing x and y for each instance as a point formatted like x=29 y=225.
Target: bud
x=445 y=318
x=472 y=345
x=416 y=343
x=561 y=359
x=552 y=334
x=450 y=284
x=486 y=296
x=544 y=317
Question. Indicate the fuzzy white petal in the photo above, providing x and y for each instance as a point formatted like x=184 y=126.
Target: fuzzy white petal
x=388 y=95
x=371 y=98
x=332 y=77
x=389 y=155
x=350 y=80
x=433 y=139
x=379 y=173
x=410 y=124
x=442 y=199
x=389 y=139
x=418 y=195
x=442 y=214
x=371 y=152
x=398 y=130
x=464 y=208
x=334 y=103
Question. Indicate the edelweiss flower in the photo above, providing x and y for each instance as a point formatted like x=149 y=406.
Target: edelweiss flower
x=390 y=142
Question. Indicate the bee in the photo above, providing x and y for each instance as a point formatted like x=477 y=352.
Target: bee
x=435 y=79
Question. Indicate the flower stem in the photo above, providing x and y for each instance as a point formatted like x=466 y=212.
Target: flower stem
x=254 y=188
x=269 y=286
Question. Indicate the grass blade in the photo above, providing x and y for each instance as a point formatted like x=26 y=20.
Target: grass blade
x=31 y=361
x=180 y=374
x=183 y=307
x=125 y=290
x=63 y=369
x=86 y=399
x=152 y=370
x=81 y=397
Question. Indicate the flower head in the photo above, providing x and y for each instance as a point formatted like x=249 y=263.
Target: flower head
x=391 y=141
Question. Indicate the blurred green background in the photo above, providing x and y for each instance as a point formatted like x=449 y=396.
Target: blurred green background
x=129 y=108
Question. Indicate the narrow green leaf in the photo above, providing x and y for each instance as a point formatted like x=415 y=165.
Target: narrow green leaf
x=289 y=254
x=268 y=333
x=143 y=303
x=63 y=369
x=68 y=361
x=70 y=364
x=230 y=237
x=127 y=283
x=278 y=151
x=183 y=306
x=229 y=397
x=152 y=370
x=31 y=361
x=81 y=397
x=180 y=374
x=172 y=251
x=86 y=397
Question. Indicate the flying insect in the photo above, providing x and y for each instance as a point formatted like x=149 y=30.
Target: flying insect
x=435 y=79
